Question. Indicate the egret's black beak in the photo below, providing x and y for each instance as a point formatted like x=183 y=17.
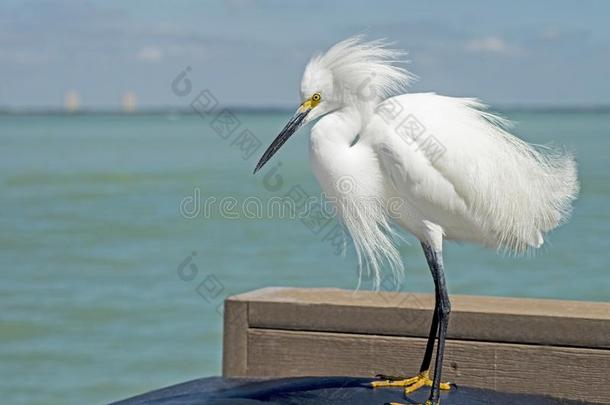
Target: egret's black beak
x=291 y=127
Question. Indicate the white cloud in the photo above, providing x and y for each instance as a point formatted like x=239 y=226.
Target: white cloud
x=490 y=44
x=150 y=54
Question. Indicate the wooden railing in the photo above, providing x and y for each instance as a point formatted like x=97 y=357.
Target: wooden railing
x=551 y=347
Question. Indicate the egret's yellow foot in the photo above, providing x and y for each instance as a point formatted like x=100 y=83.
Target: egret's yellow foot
x=410 y=385
x=391 y=381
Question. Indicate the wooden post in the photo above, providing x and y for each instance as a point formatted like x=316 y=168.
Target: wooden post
x=549 y=347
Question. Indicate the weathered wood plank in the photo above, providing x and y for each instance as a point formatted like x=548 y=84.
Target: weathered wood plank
x=235 y=339
x=573 y=373
x=532 y=321
x=550 y=347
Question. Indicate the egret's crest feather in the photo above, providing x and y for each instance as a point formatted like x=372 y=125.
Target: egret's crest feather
x=361 y=71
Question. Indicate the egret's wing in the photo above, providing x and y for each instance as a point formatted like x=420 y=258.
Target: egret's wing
x=428 y=195
x=453 y=159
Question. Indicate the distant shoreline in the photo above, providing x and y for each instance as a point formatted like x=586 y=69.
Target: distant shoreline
x=259 y=110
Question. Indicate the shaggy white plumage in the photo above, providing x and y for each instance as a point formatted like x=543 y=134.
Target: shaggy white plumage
x=440 y=167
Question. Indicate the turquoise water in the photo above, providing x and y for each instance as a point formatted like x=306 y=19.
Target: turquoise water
x=97 y=302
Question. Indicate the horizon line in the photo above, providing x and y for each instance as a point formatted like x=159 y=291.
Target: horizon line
x=164 y=110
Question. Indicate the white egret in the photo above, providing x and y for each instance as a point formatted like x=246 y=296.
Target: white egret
x=443 y=168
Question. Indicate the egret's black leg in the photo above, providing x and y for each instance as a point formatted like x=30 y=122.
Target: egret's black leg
x=437 y=328
x=442 y=310
x=425 y=364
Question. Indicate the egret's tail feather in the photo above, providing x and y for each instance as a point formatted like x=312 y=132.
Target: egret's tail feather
x=535 y=189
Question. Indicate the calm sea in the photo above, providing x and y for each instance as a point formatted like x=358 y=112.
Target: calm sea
x=109 y=289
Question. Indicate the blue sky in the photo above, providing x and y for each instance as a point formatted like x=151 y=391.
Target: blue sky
x=252 y=53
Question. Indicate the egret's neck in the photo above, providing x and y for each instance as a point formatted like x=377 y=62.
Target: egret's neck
x=338 y=128
x=331 y=146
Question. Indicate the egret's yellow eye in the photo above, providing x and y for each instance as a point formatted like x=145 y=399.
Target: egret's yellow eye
x=311 y=102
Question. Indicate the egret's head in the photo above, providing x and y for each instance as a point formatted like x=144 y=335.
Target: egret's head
x=351 y=73
x=318 y=92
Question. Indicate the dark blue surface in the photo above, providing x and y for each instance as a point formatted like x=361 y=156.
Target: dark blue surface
x=319 y=391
